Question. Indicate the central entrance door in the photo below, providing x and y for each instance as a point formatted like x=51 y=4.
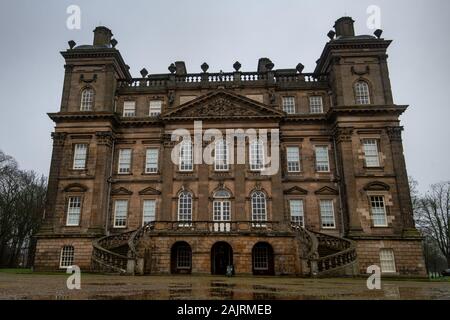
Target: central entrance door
x=221 y=257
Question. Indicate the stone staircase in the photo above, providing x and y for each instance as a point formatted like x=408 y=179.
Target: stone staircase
x=321 y=254
x=326 y=255
x=117 y=253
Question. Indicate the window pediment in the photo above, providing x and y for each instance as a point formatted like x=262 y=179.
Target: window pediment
x=376 y=186
x=75 y=187
x=296 y=191
x=121 y=191
x=326 y=191
x=149 y=191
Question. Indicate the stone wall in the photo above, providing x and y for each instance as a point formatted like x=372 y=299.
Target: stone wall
x=48 y=253
x=408 y=255
x=285 y=251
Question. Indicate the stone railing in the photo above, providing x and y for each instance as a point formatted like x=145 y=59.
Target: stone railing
x=308 y=241
x=106 y=260
x=345 y=256
x=223 y=78
x=218 y=226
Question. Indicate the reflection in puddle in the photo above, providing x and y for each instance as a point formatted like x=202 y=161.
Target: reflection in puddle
x=222 y=290
x=264 y=293
x=180 y=291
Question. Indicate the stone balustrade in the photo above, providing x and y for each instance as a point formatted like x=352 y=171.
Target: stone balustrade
x=174 y=81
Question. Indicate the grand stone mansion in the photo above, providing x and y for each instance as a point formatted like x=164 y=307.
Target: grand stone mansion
x=340 y=202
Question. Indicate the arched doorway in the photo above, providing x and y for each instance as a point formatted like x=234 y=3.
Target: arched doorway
x=181 y=258
x=262 y=259
x=221 y=257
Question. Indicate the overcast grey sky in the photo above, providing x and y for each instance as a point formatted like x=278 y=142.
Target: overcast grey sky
x=154 y=33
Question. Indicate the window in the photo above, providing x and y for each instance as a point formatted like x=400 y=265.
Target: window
x=297 y=214
x=327 y=214
x=221 y=206
x=259 y=212
x=124 y=160
x=261 y=258
x=322 y=163
x=184 y=256
x=362 y=95
x=315 y=104
x=186 y=156
x=185 y=206
x=129 y=109
x=151 y=160
x=120 y=213
x=87 y=99
x=256 y=155
x=221 y=156
x=378 y=211
x=73 y=211
x=387 y=260
x=79 y=156
x=155 y=108
x=289 y=105
x=149 y=211
x=370 y=147
x=67 y=255
x=293 y=159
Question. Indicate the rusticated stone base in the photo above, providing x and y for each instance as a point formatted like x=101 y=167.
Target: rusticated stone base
x=157 y=252
x=408 y=255
x=48 y=253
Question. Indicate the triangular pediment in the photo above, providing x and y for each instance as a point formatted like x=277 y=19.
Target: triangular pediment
x=222 y=104
x=149 y=191
x=327 y=191
x=121 y=191
x=296 y=190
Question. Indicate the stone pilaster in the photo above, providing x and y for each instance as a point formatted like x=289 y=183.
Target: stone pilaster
x=403 y=191
x=167 y=169
x=59 y=139
x=103 y=163
x=346 y=170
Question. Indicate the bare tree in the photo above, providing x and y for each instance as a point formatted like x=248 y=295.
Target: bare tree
x=433 y=216
x=22 y=198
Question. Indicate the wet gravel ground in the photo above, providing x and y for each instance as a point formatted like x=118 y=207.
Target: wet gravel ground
x=93 y=286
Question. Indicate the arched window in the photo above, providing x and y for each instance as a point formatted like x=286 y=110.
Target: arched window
x=185 y=206
x=362 y=94
x=67 y=255
x=259 y=211
x=87 y=99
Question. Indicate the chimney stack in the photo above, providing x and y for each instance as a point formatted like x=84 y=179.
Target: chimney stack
x=344 y=27
x=102 y=36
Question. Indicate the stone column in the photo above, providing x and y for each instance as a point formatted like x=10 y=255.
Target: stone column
x=346 y=169
x=403 y=192
x=53 y=181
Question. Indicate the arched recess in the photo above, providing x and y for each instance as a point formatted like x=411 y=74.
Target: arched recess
x=263 y=259
x=221 y=257
x=181 y=257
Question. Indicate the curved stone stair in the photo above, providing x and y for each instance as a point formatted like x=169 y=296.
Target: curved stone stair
x=326 y=255
x=117 y=253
